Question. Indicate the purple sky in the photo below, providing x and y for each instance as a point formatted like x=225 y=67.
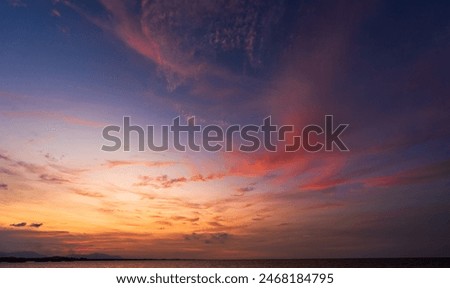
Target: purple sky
x=70 y=68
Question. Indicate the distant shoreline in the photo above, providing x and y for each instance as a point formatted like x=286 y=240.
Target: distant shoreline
x=438 y=262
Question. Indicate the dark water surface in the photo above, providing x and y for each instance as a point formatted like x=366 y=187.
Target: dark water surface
x=300 y=263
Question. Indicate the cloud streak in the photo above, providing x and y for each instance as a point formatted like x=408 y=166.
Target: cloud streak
x=164 y=181
x=47 y=115
x=119 y=163
x=21 y=224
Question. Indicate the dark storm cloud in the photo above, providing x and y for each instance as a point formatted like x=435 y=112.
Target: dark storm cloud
x=35 y=225
x=3 y=186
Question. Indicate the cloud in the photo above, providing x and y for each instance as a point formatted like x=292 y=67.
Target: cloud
x=45 y=173
x=69 y=119
x=67 y=170
x=191 y=42
x=132 y=245
x=220 y=237
x=24 y=224
x=304 y=80
x=202 y=178
x=167 y=182
x=424 y=174
x=88 y=194
x=164 y=181
x=215 y=224
x=183 y=218
x=4 y=157
x=21 y=224
x=55 y=13
x=117 y=163
x=17 y=3
x=53 y=179
x=312 y=73
x=29 y=167
x=258 y=218
x=246 y=189
x=51 y=158
x=242 y=190
x=3 y=186
x=163 y=223
x=208 y=238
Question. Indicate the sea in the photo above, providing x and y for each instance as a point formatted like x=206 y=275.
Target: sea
x=260 y=263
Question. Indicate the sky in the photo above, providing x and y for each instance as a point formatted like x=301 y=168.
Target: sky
x=69 y=68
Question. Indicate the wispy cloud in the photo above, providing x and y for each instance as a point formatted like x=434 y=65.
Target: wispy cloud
x=55 y=13
x=164 y=181
x=188 y=47
x=163 y=223
x=208 y=238
x=53 y=179
x=242 y=190
x=88 y=194
x=419 y=175
x=69 y=119
x=17 y=3
x=183 y=218
x=50 y=173
x=118 y=163
x=24 y=224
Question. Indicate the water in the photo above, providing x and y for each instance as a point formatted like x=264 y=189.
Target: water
x=301 y=263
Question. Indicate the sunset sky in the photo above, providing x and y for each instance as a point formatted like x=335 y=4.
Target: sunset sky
x=70 y=68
